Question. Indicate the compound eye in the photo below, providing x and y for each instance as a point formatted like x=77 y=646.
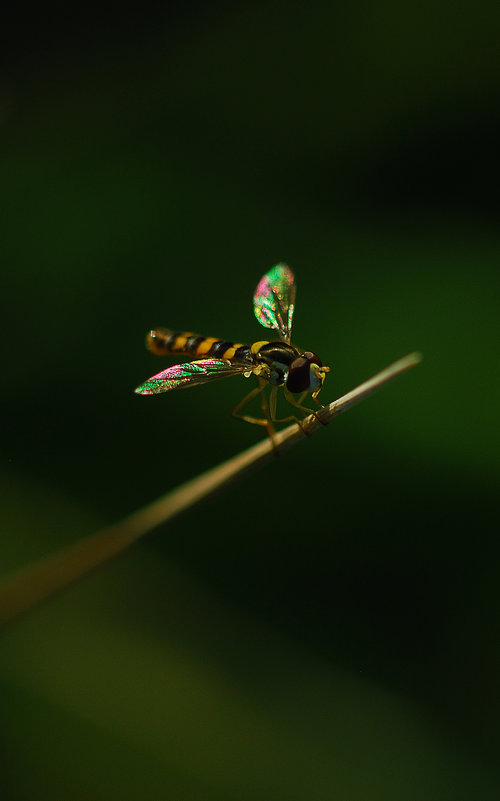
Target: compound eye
x=299 y=375
x=312 y=357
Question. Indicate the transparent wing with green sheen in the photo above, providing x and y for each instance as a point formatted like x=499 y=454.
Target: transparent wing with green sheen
x=274 y=300
x=191 y=374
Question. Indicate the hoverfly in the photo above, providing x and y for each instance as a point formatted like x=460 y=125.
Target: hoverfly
x=277 y=363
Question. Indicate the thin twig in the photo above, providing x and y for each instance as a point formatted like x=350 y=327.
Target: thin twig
x=29 y=586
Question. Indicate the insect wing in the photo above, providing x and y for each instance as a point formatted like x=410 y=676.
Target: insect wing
x=274 y=300
x=191 y=374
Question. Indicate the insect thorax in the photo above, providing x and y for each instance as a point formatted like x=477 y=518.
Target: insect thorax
x=278 y=356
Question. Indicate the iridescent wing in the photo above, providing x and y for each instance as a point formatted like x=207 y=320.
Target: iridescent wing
x=191 y=374
x=274 y=300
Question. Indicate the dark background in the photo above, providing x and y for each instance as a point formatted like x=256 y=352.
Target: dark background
x=327 y=628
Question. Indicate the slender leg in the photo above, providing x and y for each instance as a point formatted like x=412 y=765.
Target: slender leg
x=290 y=418
x=269 y=409
x=243 y=402
x=272 y=408
x=317 y=402
x=266 y=420
x=304 y=409
x=265 y=408
x=272 y=403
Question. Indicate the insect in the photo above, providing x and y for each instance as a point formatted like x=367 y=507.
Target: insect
x=277 y=363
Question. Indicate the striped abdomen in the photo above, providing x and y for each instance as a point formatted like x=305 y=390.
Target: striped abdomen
x=161 y=342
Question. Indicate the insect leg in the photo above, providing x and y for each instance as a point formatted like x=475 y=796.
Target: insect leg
x=290 y=419
x=266 y=420
x=265 y=408
x=298 y=405
x=272 y=404
x=244 y=401
x=272 y=409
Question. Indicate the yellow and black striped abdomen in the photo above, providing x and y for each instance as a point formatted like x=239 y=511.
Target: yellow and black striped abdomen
x=161 y=342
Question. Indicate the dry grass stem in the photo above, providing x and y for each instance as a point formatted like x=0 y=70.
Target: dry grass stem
x=29 y=586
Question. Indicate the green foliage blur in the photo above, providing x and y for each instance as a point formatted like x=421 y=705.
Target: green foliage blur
x=327 y=628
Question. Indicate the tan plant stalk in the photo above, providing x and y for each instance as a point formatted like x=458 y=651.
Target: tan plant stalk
x=29 y=586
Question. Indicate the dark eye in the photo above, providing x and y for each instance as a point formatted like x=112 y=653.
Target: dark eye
x=312 y=357
x=299 y=375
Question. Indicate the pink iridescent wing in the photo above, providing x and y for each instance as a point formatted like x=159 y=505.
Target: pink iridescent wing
x=274 y=300
x=191 y=374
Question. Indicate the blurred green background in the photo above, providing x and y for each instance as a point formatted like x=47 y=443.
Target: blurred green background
x=327 y=628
